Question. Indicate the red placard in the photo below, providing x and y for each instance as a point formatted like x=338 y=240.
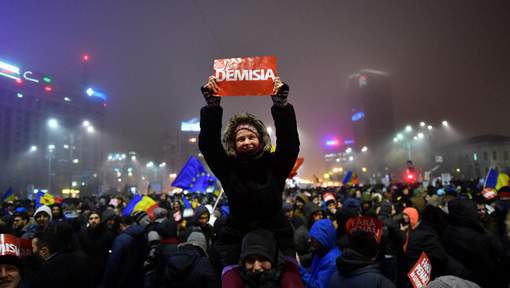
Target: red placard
x=367 y=224
x=11 y=245
x=248 y=76
x=421 y=272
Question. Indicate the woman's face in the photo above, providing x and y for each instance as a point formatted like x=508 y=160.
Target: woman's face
x=246 y=142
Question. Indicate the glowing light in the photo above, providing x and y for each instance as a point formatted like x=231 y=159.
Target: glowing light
x=47 y=79
x=67 y=99
x=395 y=139
x=66 y=146
x=193 y=140
x=364 y=169
x=332 y=143
x=53 y=123
x=357 y=116
x=76 y=161
x=445 y=123
x=90 y=129
x=326 y=176
x=348 y=150
x=172 y=175
x=19 y=95
x=85 y=57
x=429 y=127
x=51 y=147
x=162 y=165
x=48 y=88
x=33 y=148
x=150 y=165
x=9 y=71
x=458 y=170
x=86 y=123
x=351 y=158
x=400 y=136
x=422 y=124
x=409 y=128
x=420 y=135
x=364 y=149
x=89 y=92
x=133 y=158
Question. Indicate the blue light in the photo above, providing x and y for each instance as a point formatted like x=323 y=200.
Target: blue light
x=348 y=142
x=357 y=116
x=93 y=93
x=20 y=95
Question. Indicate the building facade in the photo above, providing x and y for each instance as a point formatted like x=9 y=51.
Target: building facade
x=49 y=138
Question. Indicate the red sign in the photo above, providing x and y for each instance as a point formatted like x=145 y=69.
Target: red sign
x=249 y=76
x=367 y=224
x=421 y=272
x=12 y=246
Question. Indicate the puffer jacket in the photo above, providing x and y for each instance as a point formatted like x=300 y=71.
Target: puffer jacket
x=322 y=267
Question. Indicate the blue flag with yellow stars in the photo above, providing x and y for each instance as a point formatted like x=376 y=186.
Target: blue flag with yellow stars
x=193 y=177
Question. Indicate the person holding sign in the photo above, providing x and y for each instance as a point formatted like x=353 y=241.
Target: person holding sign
x=252 y=176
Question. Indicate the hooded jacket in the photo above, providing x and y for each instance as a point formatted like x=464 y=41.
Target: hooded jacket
x=253 y=184
x=322 y=267
x=124 y=267
x=356 y=271
x=466 y=240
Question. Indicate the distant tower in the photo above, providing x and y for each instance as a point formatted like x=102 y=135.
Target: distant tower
x=369 y=95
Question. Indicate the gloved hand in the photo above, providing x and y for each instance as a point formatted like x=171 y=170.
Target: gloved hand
x=208 y=90
x=280 y=92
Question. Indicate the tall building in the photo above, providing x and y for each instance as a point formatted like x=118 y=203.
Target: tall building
x=49 y=138
x=369 y=96
x=178 y=148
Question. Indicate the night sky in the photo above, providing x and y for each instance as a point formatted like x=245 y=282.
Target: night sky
x=447 y=59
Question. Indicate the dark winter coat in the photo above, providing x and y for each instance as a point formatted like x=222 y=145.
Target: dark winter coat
x=96 y=244
x=253 y=184
x=424 y=238
x=124 y=268
x=188 y=267
x=356 y=271
x=63 y=270
x=466 y=240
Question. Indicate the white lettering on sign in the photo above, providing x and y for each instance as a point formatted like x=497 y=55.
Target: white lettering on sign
x=244 y=75
x=7 y=248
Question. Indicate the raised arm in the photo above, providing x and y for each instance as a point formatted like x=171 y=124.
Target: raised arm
x=287 y=138
x=209 y=139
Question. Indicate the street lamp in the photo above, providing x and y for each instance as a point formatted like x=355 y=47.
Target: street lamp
x=364 y=149
x=445 y=123
x=33 y=148
x=53 y=123
x=409 y=128
x=422 y=124
x=150 y=164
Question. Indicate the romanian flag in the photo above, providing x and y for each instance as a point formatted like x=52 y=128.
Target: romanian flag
x=297 y=165
x=493 y=182
x=350 y=178
x=8 y=196
x=140 y=203
x=42 y=198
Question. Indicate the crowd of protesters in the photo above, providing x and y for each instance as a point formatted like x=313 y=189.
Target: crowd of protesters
x=261 y=234
x=88 y=243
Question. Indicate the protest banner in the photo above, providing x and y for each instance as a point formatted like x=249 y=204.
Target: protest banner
x=248 y=76
x=367 y=224
x=421 y=272
x=11 y=245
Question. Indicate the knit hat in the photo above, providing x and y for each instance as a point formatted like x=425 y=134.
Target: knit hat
x=261 y=243
x=249 y=122
x=44 y=209
x=197 y=239
x=327 y=197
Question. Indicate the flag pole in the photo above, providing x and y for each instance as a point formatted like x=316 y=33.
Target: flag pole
x=217 y=201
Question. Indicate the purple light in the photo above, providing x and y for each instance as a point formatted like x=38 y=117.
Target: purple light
x=332 y=143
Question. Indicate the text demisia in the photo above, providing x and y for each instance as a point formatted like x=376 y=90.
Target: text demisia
x=246 y=75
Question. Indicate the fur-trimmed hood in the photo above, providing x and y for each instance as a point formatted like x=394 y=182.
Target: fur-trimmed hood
x=244 y=118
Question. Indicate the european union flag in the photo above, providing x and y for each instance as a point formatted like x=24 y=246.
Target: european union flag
x=193 y=177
